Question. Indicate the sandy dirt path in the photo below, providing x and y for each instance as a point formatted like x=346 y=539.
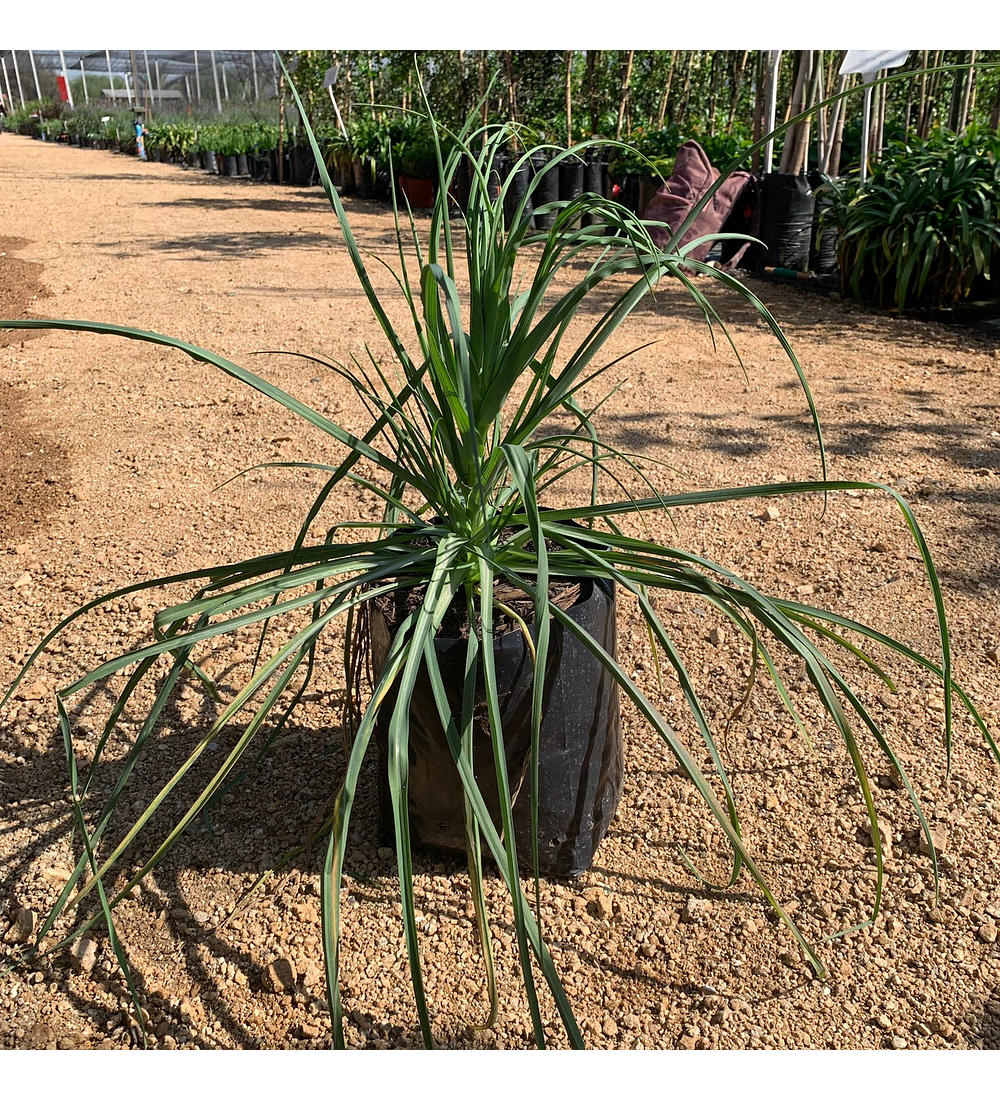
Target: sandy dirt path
x=111 y=455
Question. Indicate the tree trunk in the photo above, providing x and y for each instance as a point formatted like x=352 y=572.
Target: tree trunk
x=481 y=73
x=822 y=134
x=797 y=135
x=511 y=97
x=957 y=97
x=760 y=76
x=569 y=97
x=995 y=117
x=739 y=74
x=664 y=99
x=623 y=96
x=687 y=89
x=713 y=90
x=281 y=129
x=969 y=97
x=880 y=129
x=933 y=84
x=833 y=166
x=593 y=100
x=923 y=93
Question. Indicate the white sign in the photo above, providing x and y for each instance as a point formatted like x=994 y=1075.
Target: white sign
x=868 y=62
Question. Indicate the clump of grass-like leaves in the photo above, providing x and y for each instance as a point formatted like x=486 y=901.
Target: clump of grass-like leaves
x=462 y=453
x=926 y=226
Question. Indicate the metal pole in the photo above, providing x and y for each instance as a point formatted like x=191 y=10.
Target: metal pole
x=83 y=73
x=197 y=78
x=253 y=65
x=6 y=80
x=340 y=121
x=17 y=74
x=135 y=78
x=159 y=86
x=274 y=70
x=225 y=84
x=69 y=90
x=111 y=75
x=34 y=73
x=866 y=120
x=187 y=88
x=772 y=103
x=128 y=90
x=215 y=77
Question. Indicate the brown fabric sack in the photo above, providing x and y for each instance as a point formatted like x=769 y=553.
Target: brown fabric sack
x=693 y=176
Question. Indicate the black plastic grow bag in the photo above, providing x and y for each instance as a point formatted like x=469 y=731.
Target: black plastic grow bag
x=823 y=253
x=515 y=193
x=546 y=191
x=580 y=768
x=787 y=205
x=593 y=182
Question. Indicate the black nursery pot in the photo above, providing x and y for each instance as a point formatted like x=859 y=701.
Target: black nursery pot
x=515 y=193
x=546 y=191
x=787 y=208
x=581 y=764
x=823 y=249
x=594 y=175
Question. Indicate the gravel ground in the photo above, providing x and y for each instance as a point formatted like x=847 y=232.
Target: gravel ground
x=110 y=457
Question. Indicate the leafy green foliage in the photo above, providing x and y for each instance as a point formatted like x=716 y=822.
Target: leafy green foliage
x=460 y=452
x=926 y=225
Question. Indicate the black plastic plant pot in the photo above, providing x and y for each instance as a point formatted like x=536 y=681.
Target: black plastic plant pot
x=304 y=164
x=364 y=177
x=572 y=177
x=594 y=174
x=787 y=208
x=581 y=762
x=546 y=191
x=208 y=162
x=242 y=165
x=515 y=193
x=823 y=247
x=232 y=166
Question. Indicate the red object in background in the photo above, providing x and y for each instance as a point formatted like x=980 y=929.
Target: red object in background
x=63 y=90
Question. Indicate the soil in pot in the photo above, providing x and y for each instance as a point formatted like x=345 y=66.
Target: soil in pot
x=580 y=771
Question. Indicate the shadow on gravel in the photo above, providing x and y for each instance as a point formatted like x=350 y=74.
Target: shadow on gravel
x=290 y=202
x=278 y=816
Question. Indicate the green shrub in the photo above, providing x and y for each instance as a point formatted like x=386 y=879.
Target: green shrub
x=924 y=227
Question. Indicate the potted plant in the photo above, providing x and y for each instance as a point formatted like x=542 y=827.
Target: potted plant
x=417 y=158
x=461 y=452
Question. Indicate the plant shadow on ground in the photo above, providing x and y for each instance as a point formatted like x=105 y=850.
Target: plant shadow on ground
x=287 y=201
x=245 y=842
x=245 y=834
x=987 y=1025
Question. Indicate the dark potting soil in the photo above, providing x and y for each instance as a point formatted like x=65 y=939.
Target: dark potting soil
x=394 y=608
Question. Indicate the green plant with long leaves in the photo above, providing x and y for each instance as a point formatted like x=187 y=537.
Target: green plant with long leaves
x=462 y=452
x=926 y=225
